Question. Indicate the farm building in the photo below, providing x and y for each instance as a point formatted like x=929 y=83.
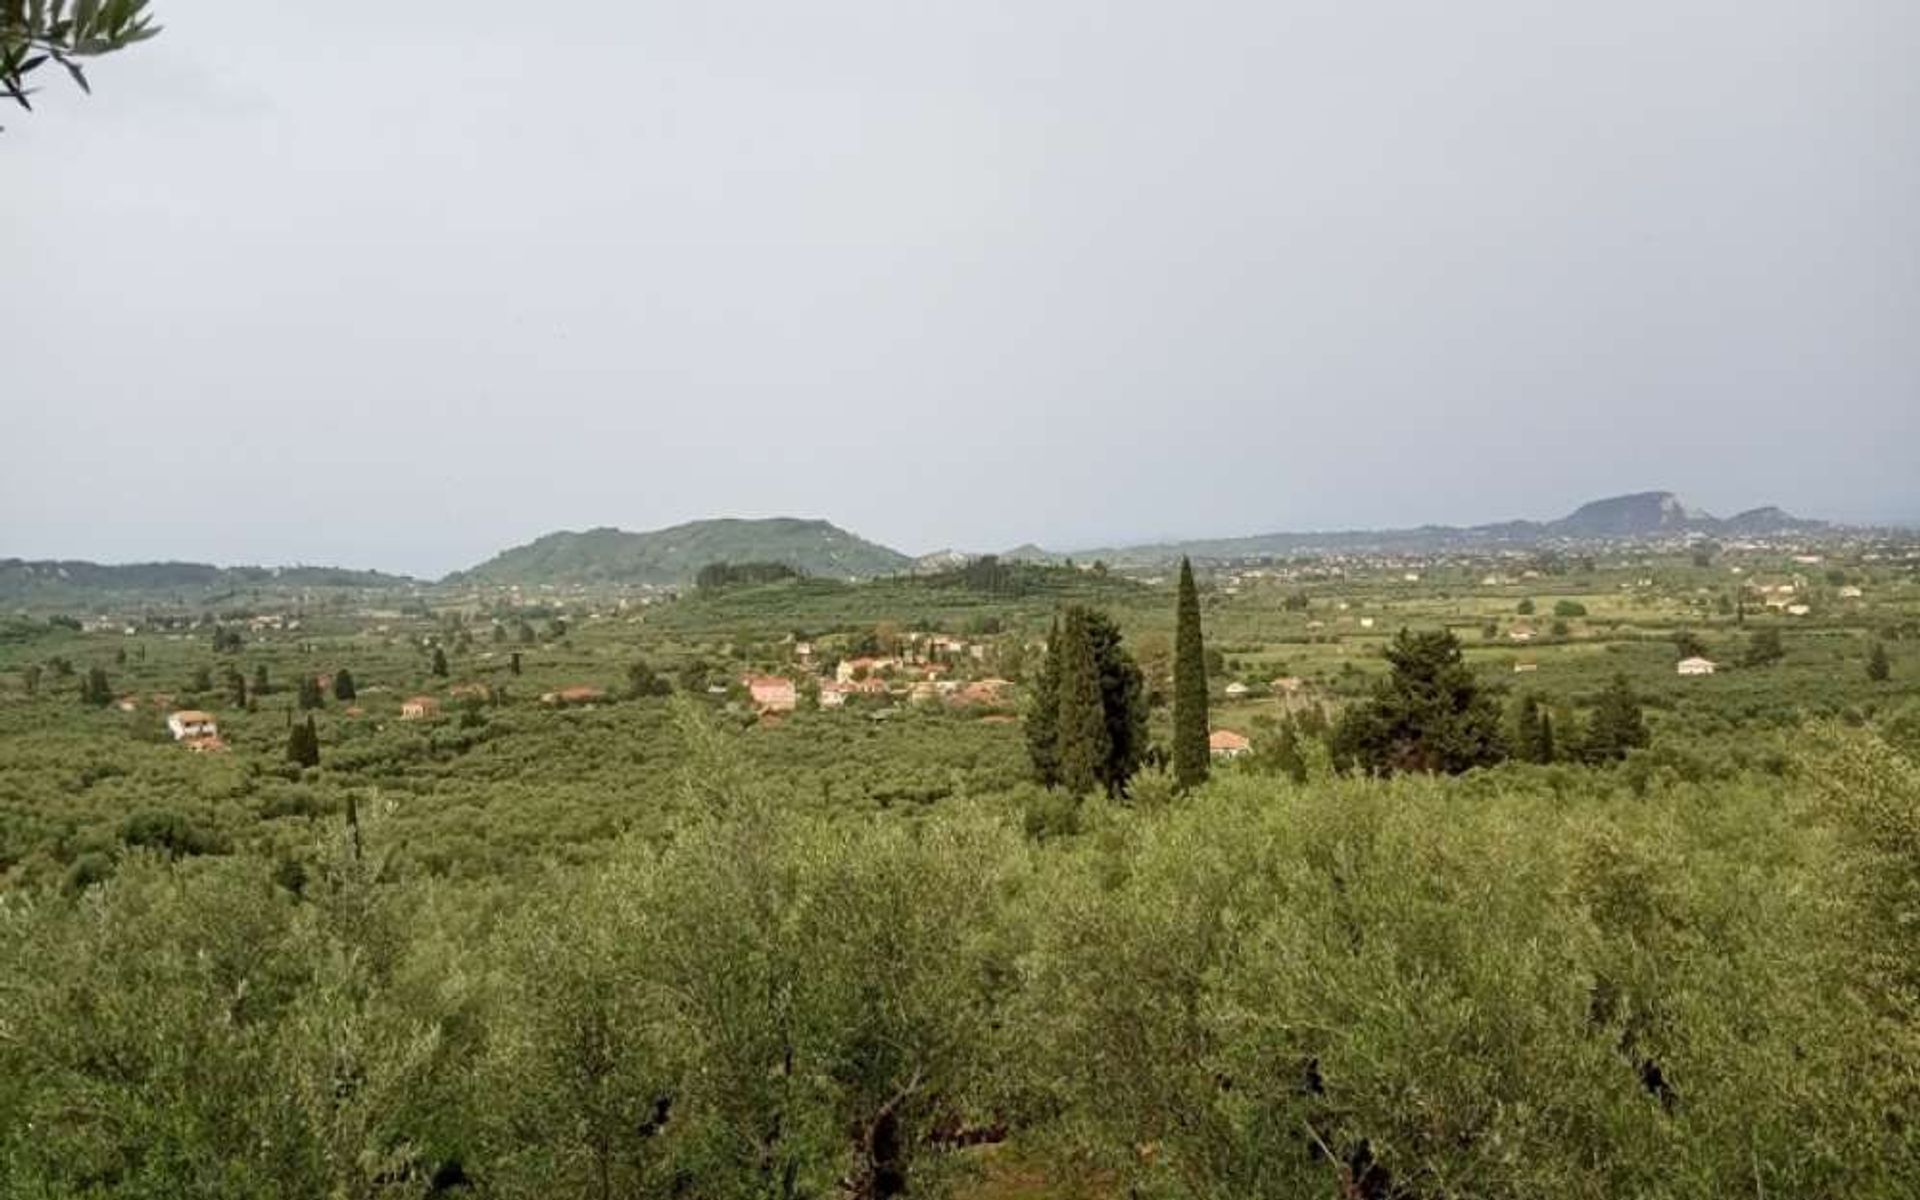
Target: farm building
x=1696 y=666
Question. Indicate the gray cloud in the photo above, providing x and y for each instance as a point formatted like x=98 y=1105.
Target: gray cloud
x=398 y=285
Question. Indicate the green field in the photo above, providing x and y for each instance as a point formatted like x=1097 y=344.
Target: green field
x=661 y=945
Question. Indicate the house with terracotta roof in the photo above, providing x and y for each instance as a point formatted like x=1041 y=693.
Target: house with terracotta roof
x=577 y=694
x=772 y=693
x=1225 y=743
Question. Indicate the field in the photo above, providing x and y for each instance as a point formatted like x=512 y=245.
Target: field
x=657 y=943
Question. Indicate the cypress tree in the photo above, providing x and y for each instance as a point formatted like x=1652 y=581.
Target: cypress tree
x=1189 y=686
x=260 y=687
x=513 y=664
x=1123 y=701
x=343 y=687
x=439 y=662
x=1526 y=728
x=1082 y=742
x=1043 y=718
x=303 y=744
x=1878 y=666
x=237 y=688
x=1546 y=747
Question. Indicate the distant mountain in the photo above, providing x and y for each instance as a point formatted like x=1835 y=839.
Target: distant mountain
x=48 y=580
x=675 y=555
x=1029 y=553
x=937 y=561
x=1639 y=516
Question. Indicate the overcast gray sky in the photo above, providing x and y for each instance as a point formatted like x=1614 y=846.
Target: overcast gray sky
x=400 y=284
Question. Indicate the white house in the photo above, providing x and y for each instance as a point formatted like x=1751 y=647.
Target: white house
x=1236 y=690
x=1696 y=666
x=191 y=724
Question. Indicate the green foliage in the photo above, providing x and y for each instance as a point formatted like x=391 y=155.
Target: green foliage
x=344 y=689
x=1428 y=714
x=1190 y=753
x=644 y=681
x=717 y=576
x=33 y=33
x=1533 y=736
x=1764 y=648
x=1879 y=666
x=1569 y=608
x=96 y=689
x=303 y=744
x=1083 y=741
x=1617 y=724
x=439 y=664
x=1043 y=714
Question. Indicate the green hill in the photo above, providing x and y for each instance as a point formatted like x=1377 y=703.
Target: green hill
x=676 y=554
x=71 y=581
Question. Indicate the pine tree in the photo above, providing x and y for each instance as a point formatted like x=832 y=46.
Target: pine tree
x=1618 y=724
x=1189 y=686
x=343 y=687
x=1878 y=665
x=1043 y=717
x=1428 y=714
x=1082 y=740
x=439 y=662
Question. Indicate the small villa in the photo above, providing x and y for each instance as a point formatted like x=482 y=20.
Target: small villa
x=190 y=725
x=419 y=708
x=1696 y=666
x=1225 y=743
x=772 y=693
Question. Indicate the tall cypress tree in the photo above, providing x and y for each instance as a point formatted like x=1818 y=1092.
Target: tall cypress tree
x=343 y=686
x=1043 y=718
x=1533 y=731
x=1083 y=743
x=1189 y=686
x=1878 y=665
x=303 y=744
x=439 y=662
